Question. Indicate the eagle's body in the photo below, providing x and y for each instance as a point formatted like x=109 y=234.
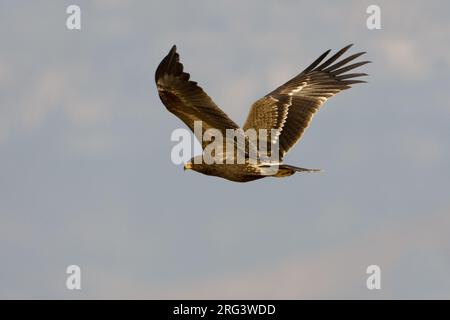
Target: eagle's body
x=287 y=111
x=244 y=172
x=233 y=172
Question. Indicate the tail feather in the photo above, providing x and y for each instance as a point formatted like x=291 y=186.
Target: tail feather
x=286 y=170
x=283 y=170
x=298 y=169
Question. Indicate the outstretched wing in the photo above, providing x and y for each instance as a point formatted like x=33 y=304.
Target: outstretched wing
x=290 y=108
x=185 y=99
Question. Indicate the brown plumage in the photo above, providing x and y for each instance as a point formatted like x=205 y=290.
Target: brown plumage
x=287 y=110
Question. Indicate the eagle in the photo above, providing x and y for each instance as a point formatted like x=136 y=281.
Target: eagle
x=287 y=111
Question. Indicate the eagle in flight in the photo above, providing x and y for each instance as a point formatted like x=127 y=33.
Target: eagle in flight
x=286 y=112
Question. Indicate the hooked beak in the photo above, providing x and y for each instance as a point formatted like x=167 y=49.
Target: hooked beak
x=187 y=166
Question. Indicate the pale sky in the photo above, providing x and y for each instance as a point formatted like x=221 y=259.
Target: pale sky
x=86 y=176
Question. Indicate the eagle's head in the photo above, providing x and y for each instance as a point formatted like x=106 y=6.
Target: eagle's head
x=187 y=166
x=194 y=163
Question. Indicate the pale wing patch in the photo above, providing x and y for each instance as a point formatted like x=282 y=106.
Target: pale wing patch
x=281 y=111
x=297 y=89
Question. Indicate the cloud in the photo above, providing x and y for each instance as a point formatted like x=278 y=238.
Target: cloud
x=337 y=271
x=411 y=42
x=46 y=93
x=61 y=90
x=117 y=216
x=5 y=73
x=405 y=58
